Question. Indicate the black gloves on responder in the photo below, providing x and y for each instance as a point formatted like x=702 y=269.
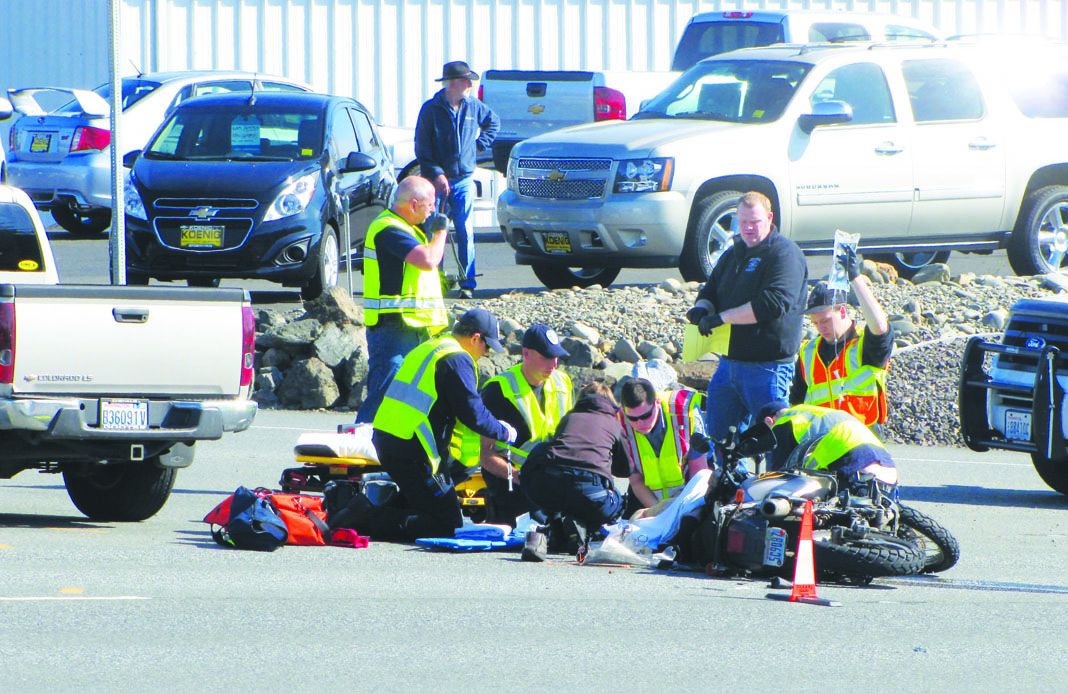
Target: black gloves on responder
x=434 y=223
x=849 y=263
x=694 y=315
x=709 y=323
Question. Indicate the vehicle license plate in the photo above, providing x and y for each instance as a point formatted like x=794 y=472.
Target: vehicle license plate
x=556 y=242
x=199 y=236
x=40 y=143
x=775 y=546
x=123 y=414
x=1017 y=425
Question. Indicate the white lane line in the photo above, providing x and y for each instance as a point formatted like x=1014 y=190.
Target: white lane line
x=297 y=428
x=967 y=462
x=69 y=599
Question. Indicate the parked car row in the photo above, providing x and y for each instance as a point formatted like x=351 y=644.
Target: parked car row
x=233 y=174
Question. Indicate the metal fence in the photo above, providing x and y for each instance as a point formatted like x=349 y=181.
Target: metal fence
x=387 y=53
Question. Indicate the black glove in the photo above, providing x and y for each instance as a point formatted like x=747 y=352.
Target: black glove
x=694 y=315
x=849 y=263
x=434 y=223
x=709 y=323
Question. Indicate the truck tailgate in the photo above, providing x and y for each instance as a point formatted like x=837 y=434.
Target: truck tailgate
x=118 y=340
x=531 y=102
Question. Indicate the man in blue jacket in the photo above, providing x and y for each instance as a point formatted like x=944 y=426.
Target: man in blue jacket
x=452 y=128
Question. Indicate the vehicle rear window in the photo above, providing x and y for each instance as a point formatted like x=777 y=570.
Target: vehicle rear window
x=822 y=32
x=706 y=39
x=133 y=90
x=223 y=133
x=19 y=249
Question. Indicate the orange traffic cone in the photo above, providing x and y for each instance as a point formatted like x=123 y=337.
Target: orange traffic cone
x=804 y=589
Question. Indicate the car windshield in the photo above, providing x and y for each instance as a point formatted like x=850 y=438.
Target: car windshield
x=736 y=91
x=244 y=132
x=133 y=90
x=19 y=248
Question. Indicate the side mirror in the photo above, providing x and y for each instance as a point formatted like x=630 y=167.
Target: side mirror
x=825 y=113
x=130 y=158
x=358 y=161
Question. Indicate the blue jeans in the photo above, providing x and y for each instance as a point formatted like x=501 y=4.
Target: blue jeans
x=587 y=497
x=388 y=343
x=461 y=202
x=739 y=389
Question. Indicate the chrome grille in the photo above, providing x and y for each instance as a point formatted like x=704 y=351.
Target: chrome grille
x=561 y=190
x=566 y=164
x=193 y=203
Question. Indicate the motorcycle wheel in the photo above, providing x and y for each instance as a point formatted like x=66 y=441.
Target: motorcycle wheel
x=940 y=548
x=863 y=559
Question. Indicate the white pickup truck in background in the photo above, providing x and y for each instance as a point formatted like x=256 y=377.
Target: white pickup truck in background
x=111 y=385
x=531 y=102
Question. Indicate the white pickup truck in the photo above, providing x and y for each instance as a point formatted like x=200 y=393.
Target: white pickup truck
x=152 y=371
x=921 y=149
x=533 y=102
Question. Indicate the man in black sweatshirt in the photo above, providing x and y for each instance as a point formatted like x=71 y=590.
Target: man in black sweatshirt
x=757 y=291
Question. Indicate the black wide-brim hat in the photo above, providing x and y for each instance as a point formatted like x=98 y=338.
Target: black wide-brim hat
x=456 y=70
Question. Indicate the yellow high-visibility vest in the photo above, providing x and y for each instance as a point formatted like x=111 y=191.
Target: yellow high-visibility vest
x=420 y=302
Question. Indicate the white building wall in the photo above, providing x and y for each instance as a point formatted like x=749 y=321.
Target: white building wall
x=386 y=53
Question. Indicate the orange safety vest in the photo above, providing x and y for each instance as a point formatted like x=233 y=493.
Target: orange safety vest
x=845 y=384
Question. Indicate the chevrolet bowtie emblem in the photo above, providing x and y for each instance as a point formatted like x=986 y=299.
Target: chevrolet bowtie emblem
x=203 y=213
x=556 y=176
x=536 y=109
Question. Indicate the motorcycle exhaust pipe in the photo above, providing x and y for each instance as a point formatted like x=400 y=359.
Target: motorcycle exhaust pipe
x=776 y=507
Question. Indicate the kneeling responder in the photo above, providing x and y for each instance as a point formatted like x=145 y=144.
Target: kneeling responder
x=435 y=387
x=819 y=438
x=532 y=396
x=657 y=428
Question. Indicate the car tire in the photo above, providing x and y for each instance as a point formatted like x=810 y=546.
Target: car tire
x=1055 y=474
x=908 y=264
x=555 y=276
x=203 y=282
x=121 y=491
x=326 y=271
x=136 y=279
x=92 y=223
x=711 y=232
x=1039 y=243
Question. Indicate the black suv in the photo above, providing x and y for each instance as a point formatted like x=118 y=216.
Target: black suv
x=254 y=186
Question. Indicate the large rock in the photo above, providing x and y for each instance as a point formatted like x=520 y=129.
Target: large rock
x=353 y=380
x=584 y=376
x=695 y=374
x=295 y=337
x=335 y=344
x=266 y=319
x=584 y=331
x=275 y=357
x=624 y=351
x=935 y=272
x=580 y=353
x=309 y=384
x=335 y=305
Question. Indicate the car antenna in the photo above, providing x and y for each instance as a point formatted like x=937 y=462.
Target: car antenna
x=252 y=96
x=136 y=67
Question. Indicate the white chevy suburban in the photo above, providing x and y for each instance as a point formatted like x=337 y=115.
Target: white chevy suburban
x=921 y=149
x=111 y=385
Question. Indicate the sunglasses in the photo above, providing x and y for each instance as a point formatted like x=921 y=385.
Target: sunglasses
x=641 y=417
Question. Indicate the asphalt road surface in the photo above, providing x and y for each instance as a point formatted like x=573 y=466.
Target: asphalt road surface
x=92 y=606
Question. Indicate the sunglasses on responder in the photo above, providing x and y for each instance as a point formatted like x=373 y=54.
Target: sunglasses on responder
x=640 y=417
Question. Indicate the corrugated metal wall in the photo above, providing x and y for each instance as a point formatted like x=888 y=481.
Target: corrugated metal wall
x=387 y=53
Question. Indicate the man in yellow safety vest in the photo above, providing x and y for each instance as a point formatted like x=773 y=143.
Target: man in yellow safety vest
x=402 y=301
x=844 y=367
x=532 y=396
x=434 y=388
x=658 y=429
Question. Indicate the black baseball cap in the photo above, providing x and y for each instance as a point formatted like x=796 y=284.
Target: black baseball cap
x=771 y=409
x=455 y=70
x=823 y=297
x=544 y=340
x=485 y=324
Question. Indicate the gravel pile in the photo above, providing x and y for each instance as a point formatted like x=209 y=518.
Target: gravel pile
x=933 y=319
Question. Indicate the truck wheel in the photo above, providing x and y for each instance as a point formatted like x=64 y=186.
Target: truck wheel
x=908 y=264
x=120 y=492
x=710 y=234
x=326 y=273
x=558 y=277
x=91 y=223
x=203 y=282
x=1039 y=242
x=1053 y=473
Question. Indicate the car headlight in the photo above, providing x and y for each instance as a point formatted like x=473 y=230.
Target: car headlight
x=293 y=199
x=513 y=165
x=644 y=175
x=134 y=206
